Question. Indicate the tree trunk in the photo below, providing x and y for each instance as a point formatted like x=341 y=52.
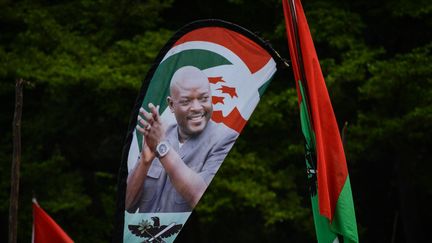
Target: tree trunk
x=16 y=161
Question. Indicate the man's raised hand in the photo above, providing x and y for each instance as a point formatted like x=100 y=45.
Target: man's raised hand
x=150 y=126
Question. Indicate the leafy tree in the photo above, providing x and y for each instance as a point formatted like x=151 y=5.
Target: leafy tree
x=77 y=56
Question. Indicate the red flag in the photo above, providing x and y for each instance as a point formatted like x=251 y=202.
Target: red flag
x=45 y=229
x=331 y=163
x=332 y=205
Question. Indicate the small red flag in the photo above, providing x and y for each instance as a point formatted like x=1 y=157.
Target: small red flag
x=45 y=229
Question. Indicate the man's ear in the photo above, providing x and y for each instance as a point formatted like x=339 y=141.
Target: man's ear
x=170 y=103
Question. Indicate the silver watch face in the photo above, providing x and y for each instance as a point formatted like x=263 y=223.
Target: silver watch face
x=162 y=149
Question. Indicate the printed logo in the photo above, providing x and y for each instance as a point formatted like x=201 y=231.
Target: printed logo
x=154 y=232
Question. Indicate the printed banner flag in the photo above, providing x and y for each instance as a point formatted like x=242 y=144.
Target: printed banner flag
x=331 y=196
x=45 y=229
x=194 y=102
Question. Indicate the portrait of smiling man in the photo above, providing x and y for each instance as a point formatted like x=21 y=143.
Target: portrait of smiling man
x=178 y=162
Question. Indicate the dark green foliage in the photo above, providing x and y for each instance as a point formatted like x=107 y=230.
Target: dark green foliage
x=85 y=61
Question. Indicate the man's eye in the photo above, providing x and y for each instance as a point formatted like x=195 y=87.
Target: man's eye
x=204 y=99
x=184 y=102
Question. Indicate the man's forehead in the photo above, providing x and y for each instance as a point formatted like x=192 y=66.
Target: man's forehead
x=199 y=88
x=192 y=82
x=188 y=74
x=189 y=78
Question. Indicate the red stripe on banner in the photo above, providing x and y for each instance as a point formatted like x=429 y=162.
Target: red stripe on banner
x=331 y=163
x=234 y=120
x=254 y=56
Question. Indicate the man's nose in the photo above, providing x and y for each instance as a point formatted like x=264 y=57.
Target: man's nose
x=195 y=105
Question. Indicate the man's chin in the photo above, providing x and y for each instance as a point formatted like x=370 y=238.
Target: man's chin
x=195 y=129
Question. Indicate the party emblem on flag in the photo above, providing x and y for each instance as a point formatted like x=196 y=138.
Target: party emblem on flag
x=194 y=103
x=154 y=232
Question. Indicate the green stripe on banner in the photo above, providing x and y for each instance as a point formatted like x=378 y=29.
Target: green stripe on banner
x=341 y=224
x=305 y=121
x=344 y=222
x=263 y=87
x=322 y=226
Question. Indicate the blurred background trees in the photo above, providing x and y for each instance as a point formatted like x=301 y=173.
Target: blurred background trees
x=85 y=61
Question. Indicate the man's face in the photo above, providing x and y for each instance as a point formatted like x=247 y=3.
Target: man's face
x=190 y=101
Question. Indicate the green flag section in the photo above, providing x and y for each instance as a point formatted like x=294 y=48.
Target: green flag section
x=330 y=189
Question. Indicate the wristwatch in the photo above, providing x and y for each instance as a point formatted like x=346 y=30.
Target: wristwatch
x=162 y=149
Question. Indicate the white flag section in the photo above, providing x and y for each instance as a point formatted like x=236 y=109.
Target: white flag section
x=219 y=72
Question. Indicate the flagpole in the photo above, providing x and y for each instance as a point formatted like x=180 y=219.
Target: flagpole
x=300 y=56
x=297 y=40
x=16 y=161
x=302 y=76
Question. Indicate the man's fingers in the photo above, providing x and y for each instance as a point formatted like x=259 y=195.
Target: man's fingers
x=142 y=125
x=144 y=133
x=149 y=125
x=140 y=129
x=148 y=116
x=151 y=116
x=155 y=111
x=142 y=122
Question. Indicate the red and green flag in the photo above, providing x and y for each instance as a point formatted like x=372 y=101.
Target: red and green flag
x=331 y=195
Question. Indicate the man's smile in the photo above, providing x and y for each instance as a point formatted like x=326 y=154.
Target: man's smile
x=196 y=116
